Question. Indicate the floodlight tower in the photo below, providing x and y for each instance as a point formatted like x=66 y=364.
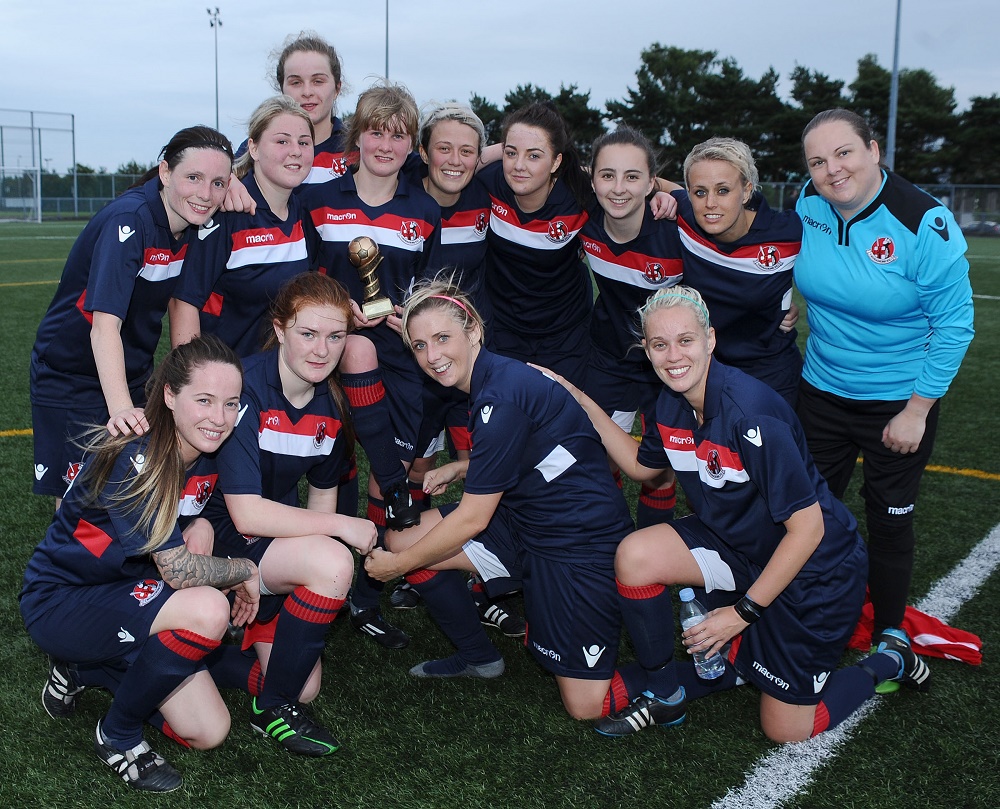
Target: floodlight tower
x=215 y=23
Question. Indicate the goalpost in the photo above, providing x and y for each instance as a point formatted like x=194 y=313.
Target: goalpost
x=20 y=194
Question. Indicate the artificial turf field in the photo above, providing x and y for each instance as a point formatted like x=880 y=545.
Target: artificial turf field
x=508 y=743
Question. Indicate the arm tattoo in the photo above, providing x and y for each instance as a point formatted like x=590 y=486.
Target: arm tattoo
x=180 y=568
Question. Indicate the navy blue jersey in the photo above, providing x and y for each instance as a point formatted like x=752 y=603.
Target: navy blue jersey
x=535 y=277
x=406 y=229
x=125 y=263
x=746 y=469
x=329 y=158
x=533 y=442
x=275 y=444
x=98 y=543
x=626 y=275
x=746 y=284
x=237 y=264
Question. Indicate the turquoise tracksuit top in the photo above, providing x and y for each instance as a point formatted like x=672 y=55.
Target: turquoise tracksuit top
x=888 y=294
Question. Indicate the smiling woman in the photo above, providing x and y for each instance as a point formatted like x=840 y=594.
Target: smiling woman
x=113 y=594
x=884 y=273
x=95 y=343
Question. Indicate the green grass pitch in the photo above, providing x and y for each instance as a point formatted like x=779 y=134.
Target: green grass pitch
x=508 y=743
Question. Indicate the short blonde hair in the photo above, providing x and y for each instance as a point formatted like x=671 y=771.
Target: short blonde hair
x=670 y=297
x=729 y=150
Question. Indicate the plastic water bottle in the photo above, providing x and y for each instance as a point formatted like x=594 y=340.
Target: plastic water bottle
x=692 y=614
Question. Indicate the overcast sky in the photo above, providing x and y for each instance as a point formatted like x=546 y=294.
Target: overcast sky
x=135 y=72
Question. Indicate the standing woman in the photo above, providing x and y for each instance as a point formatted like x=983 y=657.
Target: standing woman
x=310 y=71
x=631 y=255
x=294 y=423
x=535 y=276
x=451 y=141
x=240 y=260
x=112 y=592
x=307 y=69
x=548 y=513
x=884 y=274
x=378 y=200
x=739 y=255
x=95 y=344
x=780 y=551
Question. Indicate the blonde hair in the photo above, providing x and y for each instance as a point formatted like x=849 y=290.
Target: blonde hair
x=442 y=294
x=728 y=150
x=436 y=112
x=670 y=297
x=261 y=119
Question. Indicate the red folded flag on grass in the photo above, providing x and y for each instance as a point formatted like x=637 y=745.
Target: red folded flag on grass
x=929 y=636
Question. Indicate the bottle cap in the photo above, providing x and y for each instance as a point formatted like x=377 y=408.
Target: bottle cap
x=687 y=594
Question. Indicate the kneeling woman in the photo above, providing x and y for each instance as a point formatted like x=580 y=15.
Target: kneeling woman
x=112 y=593
x=769 y=542
x=548 y=513
x=293 y=422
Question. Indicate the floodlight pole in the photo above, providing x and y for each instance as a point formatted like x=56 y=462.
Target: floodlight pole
x=890 y=136
x=215 y=23
x=387 y=40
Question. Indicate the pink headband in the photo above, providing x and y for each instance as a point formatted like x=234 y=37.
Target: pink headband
x=455 y=301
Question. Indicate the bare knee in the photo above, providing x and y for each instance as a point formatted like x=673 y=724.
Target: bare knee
x=784 y=723
x=359 y=355
x=206 y=612
x=631 y=563
x=211 y=735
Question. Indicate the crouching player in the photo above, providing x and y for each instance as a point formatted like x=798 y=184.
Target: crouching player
x=770 y=545
x=540 y=507
x=112 y=592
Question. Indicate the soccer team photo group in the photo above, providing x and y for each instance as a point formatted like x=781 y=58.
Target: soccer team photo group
x=370 y=423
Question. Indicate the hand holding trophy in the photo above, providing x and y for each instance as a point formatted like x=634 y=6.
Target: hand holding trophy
x=364 y=254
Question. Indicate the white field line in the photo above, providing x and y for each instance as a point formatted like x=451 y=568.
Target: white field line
x=781 y=774
x=987 y=297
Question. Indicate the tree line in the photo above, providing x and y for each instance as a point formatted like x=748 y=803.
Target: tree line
x=683 y=97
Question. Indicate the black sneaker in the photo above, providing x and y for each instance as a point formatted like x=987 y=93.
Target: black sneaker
x=404 y=597
x=141 y=767
x=400 y=512
x=643 y=712
x=291 y=727
x=60 y=693
x=913 y=672
x=370 y=622
x=497 y=617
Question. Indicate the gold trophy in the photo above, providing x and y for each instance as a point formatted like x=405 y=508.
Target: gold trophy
x=364 y=254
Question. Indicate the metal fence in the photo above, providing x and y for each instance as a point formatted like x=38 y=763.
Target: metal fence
x=969 y=203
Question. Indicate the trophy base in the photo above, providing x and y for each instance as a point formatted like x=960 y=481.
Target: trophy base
x=379 y=307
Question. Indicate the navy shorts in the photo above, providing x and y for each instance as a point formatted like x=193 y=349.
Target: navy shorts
x=791 y=651
x=57 y=432
x=442 y=407
x=621 y=390
x=782 y=373
x=100 y=623
x=57 y=426
x=404 y=392
x=574 y=623
x=231 y=544
x=567 y=352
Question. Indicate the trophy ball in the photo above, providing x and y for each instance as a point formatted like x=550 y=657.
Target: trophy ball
x=361 y=250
